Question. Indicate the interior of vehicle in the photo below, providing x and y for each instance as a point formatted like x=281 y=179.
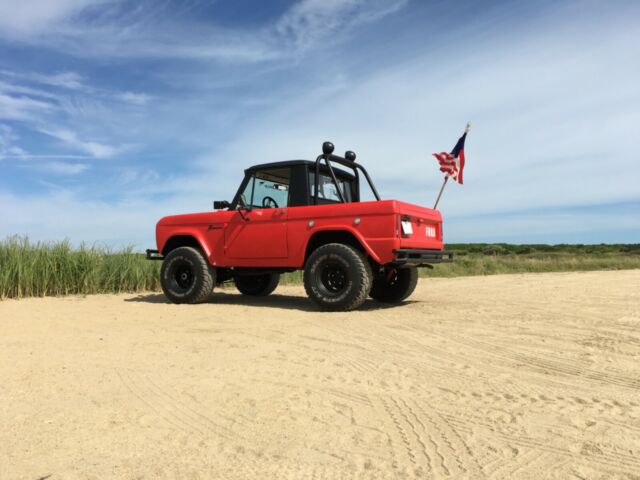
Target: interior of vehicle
x=291 y=184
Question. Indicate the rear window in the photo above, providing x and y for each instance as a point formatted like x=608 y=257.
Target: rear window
x=327 y=189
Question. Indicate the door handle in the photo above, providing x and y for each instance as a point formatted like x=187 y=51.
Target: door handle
x=282 y=211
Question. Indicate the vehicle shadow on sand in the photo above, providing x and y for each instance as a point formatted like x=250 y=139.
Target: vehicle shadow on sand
x=289 y=302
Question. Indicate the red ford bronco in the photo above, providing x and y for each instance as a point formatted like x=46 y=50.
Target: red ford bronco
x=306 y=215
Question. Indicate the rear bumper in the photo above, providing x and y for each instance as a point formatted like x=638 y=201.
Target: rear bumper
x=154 y=254
x=418 y=257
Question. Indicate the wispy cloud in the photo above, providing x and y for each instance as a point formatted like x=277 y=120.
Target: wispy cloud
x=30 y=17
x=7 y=146
x=20 y=107
x=8 y=88
x=310 y=22
x=118 y=31
x=63 y=107
x=69 y=138
x=63 y=168
x=68 y=80
x=134 y=98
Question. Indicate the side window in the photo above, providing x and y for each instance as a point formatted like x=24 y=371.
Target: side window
x=327 y=189
x=267 y=189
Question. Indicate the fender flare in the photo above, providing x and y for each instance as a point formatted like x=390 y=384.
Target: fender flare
x=348 y=229
x=195 y=234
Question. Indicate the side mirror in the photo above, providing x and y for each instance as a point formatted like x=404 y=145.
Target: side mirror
x=221 y=204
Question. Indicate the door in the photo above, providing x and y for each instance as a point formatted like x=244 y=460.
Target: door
x=260 y=231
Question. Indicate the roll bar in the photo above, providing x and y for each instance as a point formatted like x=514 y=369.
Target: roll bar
x=349 y=161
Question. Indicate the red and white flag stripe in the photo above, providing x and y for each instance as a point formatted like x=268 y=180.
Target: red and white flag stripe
x=450 y=165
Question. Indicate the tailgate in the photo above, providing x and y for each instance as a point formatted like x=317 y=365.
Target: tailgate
x=419 y=227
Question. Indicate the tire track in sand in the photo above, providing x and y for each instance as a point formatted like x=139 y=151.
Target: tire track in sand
x=419 y=437
x=176 y=412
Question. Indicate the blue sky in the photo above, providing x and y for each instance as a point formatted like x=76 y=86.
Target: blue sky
x=114 y=113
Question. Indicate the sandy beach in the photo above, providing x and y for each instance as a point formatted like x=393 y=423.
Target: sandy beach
x=510 y=376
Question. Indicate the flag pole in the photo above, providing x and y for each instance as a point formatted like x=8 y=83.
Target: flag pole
x=441 y=189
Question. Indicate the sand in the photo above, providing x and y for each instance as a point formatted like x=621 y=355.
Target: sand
x=511 y=376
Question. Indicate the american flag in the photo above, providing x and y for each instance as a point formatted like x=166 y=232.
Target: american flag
x=452 y=164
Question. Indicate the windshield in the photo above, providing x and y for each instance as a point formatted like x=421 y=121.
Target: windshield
x=267 y=189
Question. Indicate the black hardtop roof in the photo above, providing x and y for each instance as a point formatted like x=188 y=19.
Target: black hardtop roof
x=286 y=163
x=293 y=163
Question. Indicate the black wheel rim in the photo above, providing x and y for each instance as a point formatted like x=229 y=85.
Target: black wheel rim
x=391 y=277
x=333 y=278
x=183 y=276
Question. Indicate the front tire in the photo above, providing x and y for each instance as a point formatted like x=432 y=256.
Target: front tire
x=394 y=285
x=186 y=277
x=257 y=285
x=337 y=277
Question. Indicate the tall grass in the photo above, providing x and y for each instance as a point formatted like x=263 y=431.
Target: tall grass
x=39 y=269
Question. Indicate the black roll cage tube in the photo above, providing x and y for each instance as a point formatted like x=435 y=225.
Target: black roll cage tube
x=328 y=158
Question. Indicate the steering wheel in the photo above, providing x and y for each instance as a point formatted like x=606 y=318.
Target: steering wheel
x=268 y=201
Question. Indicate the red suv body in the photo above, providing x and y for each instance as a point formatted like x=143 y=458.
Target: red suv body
x=282 y=214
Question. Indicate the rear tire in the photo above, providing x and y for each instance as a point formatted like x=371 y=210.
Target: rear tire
x=394 y=285
x=257 y=285
x=186 y=277
x=337 y=277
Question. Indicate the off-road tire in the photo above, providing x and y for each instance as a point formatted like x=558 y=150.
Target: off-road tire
x=186 y=277
x=345 y=291
x=257 y=285
x=393 y=286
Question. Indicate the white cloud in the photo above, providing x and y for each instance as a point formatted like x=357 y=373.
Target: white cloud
x=16 y=151
x=65 y=108
x=8 y=147
x=20 y=89
x=147 y=31
x=64 y=168
x=69 y=138
x=51 y=164
x=139 y=177
x=7 y=137
x=310 y=22
x=69 y=80
x=139 y=99
x=28 y=17
x=14 y=107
